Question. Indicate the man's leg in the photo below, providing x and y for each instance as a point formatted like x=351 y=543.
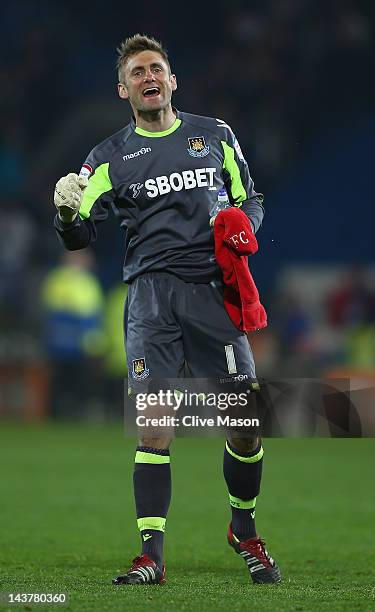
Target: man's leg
x=216 y=349
x=243 y=461
x=154 y=353
x=152 y=492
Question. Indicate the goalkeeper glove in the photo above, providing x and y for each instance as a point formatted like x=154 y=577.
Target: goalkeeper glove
x=68 y=196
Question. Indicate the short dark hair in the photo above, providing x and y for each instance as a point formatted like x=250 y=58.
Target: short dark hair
x=135 y=44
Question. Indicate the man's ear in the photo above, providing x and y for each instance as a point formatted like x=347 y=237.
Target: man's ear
x=122 y=91
x=173 y=82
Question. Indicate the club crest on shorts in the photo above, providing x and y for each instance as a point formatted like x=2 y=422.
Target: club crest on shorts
x=139 y=370
x=198 y=147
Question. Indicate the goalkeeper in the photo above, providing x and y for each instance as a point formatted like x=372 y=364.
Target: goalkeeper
x=161 y=175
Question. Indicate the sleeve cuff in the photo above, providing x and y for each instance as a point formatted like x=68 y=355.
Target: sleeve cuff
x=65 y=227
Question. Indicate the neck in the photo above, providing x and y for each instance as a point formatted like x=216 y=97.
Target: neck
x=157 y=121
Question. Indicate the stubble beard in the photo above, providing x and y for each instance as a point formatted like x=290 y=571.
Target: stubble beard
x=153 y=114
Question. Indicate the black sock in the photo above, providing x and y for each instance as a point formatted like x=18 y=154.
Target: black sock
x=243 y=473
x=152 y=545
x=152 y=491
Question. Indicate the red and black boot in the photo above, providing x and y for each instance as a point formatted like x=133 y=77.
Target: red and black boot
x=142 y=571
x=262 y=568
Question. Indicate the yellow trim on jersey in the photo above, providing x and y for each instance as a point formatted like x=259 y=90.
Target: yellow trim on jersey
x=98 y=184
x=237 y=189
x=173 y=128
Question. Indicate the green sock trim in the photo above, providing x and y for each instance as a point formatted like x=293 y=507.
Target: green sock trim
x=142 y=457
x=252 y=459
x=151 y=522
x=237 y=502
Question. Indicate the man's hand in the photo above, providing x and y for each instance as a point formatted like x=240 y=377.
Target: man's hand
x=68 y=196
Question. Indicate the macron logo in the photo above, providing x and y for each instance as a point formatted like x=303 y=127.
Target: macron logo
x=142 y=151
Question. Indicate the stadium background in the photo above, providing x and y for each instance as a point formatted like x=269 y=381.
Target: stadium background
x=294 y=80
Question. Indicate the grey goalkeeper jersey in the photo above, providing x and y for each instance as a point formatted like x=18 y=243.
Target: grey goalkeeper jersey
x=163 y=186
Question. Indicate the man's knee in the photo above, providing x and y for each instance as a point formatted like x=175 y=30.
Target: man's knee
x=161 y=443
x=244 y=445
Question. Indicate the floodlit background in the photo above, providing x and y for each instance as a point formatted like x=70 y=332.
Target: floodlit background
x=295 y=81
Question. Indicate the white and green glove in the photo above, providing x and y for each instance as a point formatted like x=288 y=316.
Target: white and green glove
x=68 y=196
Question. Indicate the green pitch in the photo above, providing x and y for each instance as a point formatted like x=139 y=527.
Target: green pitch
x=68 y=523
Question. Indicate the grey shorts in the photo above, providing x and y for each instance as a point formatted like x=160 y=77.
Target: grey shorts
x=176 y=329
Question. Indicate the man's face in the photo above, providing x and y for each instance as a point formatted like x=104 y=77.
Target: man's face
x=148 y=84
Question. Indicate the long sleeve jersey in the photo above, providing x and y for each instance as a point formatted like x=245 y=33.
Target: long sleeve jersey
x=163 y=187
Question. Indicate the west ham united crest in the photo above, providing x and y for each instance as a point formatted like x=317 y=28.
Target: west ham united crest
x=139 y=371
x=198 y=147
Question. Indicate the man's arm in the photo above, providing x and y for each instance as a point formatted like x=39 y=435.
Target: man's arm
x=82 y=202
x=75 y=235
x=238 y=182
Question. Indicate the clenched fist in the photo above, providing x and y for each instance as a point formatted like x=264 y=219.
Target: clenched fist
x=68 y=196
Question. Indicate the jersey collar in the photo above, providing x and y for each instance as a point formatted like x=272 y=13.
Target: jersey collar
x=173 y=128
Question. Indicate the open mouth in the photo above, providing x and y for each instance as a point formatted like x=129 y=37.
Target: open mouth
x=151 y=92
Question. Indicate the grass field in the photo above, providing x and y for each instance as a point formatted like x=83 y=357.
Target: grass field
x=68 y=523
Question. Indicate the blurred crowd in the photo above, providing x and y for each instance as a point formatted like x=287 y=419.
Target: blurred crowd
x=278 y=72
x=322 y=321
